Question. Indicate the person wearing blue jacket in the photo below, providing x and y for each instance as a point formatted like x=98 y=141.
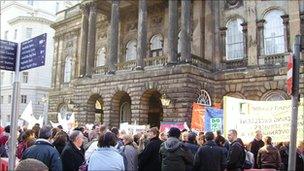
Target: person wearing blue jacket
x=44 y=151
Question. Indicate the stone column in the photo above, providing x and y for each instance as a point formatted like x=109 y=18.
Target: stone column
x=185 y=31
x=244 y=30
x=84 y=39
x=91 y=39
x=260 y=37
x=141 y=34
x=286 y=32
x=113 y=45
x=223 y=31
x=173 y=31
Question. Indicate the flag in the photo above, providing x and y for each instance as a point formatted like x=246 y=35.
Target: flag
x=27 y=114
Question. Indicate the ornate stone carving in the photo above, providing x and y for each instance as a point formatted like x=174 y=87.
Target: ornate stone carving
x=131 y=26
x=230 y=4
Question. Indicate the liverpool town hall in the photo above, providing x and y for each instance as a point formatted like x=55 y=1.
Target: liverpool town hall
x=146 y=61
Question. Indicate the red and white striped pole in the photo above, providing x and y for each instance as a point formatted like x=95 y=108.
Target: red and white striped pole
x=289 y=74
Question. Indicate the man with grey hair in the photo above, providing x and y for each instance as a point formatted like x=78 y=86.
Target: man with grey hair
x=236 y=153
x=44 y=151
x=73 y=154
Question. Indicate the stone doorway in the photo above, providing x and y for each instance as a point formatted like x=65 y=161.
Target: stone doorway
x=122 y=109
x=151 y=108
x=95 y=109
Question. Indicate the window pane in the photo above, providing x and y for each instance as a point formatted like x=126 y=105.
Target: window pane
x=28 y=33
x=234 y=40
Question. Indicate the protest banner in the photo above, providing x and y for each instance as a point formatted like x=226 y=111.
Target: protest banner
x=213 y=120
x=133 y=128
x=165 y=126
x=198 y=116
x=273 y=118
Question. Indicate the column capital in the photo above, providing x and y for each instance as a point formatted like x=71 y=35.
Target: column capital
x=285 y=19
x=260 y=23
x=244 y=25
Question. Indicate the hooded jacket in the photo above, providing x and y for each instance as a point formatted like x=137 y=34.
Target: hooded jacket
x=174 y=155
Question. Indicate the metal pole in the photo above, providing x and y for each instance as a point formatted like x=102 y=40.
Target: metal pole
x=15 y=114
x=295 y=103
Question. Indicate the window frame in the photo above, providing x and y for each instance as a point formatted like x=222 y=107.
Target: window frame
x=129 y=47
x=156 y=52
x=23 y=99
x=67 y=79
x=25 y=77
x=274 y=48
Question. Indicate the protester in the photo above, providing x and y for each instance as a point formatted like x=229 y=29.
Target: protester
x=60 y=140
x=191 y=143
x=85 y=139
x=268 y=156
x=256 y=144
x=92 y=146
x=130 y=152
x=106 y=157
x=201 y=139
x=149 y=158
x=136 y=138
x=163 y=137
x=36 y=129
x=185 y=136
x=119 y=142
x=4 y=136
x=73 y=155
x=284 y=153
x=174 y=155
x=143 y=142
x=210 y=157
x=249 y=160
x=94 y=132
x=54 y=132
x=31 y=165
x=44 y=151
x=236 y=153
x=27 y=140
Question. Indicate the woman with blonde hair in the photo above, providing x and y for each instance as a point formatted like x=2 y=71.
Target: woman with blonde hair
x=130 y=152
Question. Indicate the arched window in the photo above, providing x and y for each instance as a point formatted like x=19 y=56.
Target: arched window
x=156 y=46
x=131 y=50
x=68 y=69
x=204 y=98
x=274 y=96
x=234 y=40
x=179 y=43
x=101 y=58
x=125 y=112
x=274 y=33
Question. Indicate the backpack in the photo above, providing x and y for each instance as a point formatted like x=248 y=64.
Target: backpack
x=247 y=164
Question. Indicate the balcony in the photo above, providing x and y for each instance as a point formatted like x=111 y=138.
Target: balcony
x=64 y=14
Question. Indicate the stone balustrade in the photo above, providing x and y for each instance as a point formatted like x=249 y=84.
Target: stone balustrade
x=200 y=62
x=156 y=61
x=240 y=63
x=276 y=59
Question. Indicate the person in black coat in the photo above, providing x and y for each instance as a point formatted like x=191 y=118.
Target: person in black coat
x=210 y=157
x=60 y=141
x=256 y=144
x=236 y=153
x=73 y=155
x=149 y=159
x=44 y=151
x=191 y=144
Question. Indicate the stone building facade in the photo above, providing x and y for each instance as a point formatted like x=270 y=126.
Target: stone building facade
x=119 y=61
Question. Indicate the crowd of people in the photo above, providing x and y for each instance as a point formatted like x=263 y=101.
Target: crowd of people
x=101 y=148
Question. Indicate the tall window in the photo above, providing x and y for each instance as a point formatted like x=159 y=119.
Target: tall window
x=156 y=45
x=5 y=35
x=101 y=58
x=28 y=33
x=9 y=100
x=25 y=77
x=131 y=50
x=15 y=34
x=234 y=40
x=68 y=69
x=179 y=43
x=23 y=98
x=274 y=33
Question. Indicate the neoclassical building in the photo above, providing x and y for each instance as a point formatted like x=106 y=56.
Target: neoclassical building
x=147 y=61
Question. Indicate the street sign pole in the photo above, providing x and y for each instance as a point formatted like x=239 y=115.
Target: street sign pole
x=295 y=103
x=15 y=114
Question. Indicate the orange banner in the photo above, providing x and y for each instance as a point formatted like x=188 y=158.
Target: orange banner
x=198 y=117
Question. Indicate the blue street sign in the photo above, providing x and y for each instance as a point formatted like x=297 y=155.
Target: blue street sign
x=33 y=52
x=8 y=55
